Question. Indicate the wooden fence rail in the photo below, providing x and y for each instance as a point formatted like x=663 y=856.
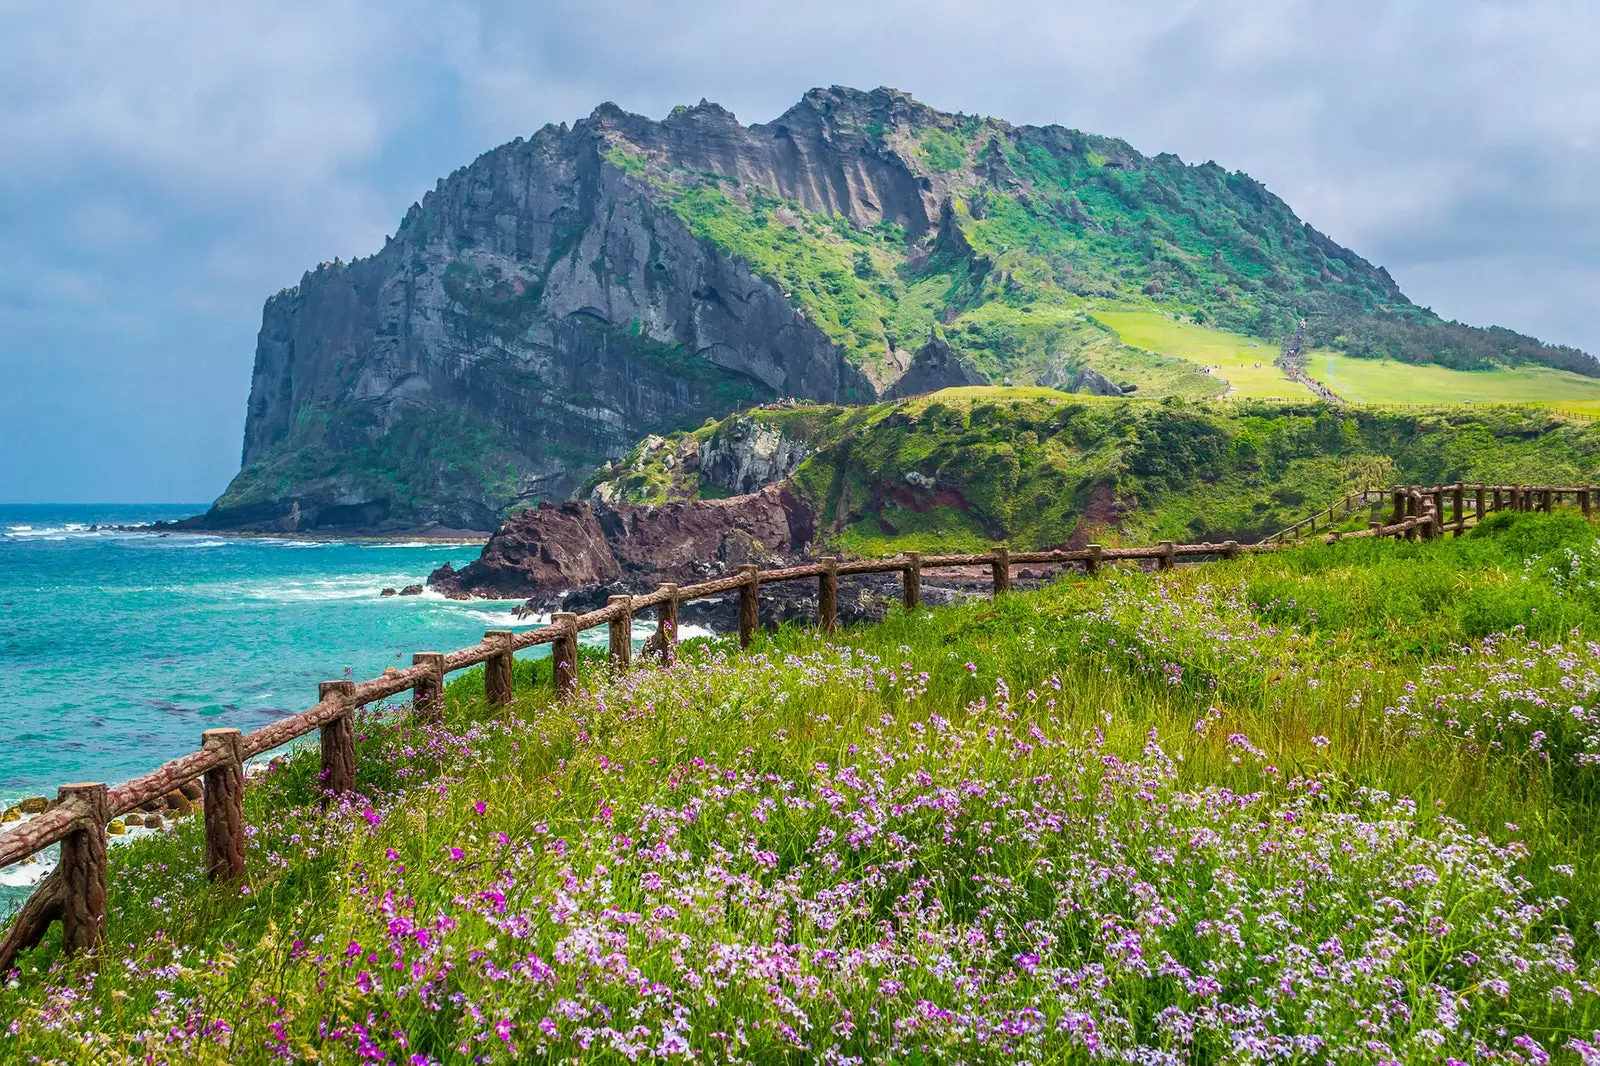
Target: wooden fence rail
x=75 y=892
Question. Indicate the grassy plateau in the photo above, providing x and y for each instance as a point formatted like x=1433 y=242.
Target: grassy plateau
x=1331 y=804
x=958 y=469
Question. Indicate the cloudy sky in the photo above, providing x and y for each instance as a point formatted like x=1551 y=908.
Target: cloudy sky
x=165 y=166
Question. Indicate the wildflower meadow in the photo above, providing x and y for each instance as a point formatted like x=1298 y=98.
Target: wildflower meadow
x=1333 y=804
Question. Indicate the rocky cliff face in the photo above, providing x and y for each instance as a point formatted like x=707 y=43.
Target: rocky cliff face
x=534 y=315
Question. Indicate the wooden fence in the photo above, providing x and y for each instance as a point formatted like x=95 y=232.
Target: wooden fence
x=75 y=892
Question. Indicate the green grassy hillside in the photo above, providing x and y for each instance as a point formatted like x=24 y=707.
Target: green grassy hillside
x=1332 y=804
x=1387 y=381
x=1040 y=468
x=1246 y=367
x=1027 y=229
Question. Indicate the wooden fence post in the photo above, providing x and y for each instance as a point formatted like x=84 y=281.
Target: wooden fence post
x=1544 y=501
x=667 y=623
x=749 y=603
x=1399 y=506
x=828 y=595
x=1168 y=555
x=1458 y=503
x=83 y=868
x=911 y=581
x=338 y=740
x=564 y=653
x=223 y=803
x=621 y=632
x=1583 y=500
x=1438 y=509
x=1477 y=502
x=1000 y=569
x=1092 y=564
x=1230 y=549
x=427 y=695
x=499 y=669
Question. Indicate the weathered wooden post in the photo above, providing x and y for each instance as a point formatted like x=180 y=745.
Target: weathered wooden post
x=1399 y=506
x=1000 y=569
x=1544 y=501
x=749 y=603
x=911 y=581
x=1438 y=509
x=621 y=631
x=427 y=695
x=828 y=595
x=564 y=653
x=223 y=803
x=1169 y=552
x=1091 y=565
x=1230 y=549
x=499 y=669
x=667 y=623
x=83 y=868
x=1583 y=500
x=1477 y=502
x=338 y=738
x=1458 y=502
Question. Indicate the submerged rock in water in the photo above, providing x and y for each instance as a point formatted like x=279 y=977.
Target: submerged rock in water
x=411 y=590
x=387 y=592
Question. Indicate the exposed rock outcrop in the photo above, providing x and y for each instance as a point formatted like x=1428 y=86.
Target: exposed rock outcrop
x=746 y=455
x=1091 y=381
x=549 y=550
x=935 y=366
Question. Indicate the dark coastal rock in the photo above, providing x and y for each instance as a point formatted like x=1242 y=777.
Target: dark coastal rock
x=411 y=590
x=935 y=366
x=387 y=592
x=549 y=551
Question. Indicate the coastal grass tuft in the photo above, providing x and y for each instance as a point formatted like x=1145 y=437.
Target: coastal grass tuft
x=1331 y=803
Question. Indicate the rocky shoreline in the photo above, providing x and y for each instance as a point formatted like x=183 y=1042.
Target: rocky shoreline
x=574 y=556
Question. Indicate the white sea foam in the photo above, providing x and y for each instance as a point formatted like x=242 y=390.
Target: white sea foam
x=23 y=874
x=417 y=544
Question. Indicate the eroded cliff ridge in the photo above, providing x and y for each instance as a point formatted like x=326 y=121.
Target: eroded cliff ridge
x=545 y=308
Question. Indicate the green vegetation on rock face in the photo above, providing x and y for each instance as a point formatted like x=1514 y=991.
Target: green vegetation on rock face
x=424 y=456
x=1287 y=802
x=964 y=467
x=1030 y=227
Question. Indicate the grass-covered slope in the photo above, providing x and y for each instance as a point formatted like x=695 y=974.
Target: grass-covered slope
x=964 y=467
x=1021 y=230
x=1333 y=804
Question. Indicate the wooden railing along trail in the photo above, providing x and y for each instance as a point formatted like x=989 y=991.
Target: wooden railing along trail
x=75 y=893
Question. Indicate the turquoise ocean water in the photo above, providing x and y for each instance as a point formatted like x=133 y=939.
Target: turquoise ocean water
x=118 y=649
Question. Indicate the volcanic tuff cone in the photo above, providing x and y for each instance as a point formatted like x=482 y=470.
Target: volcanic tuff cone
x=544 y=308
